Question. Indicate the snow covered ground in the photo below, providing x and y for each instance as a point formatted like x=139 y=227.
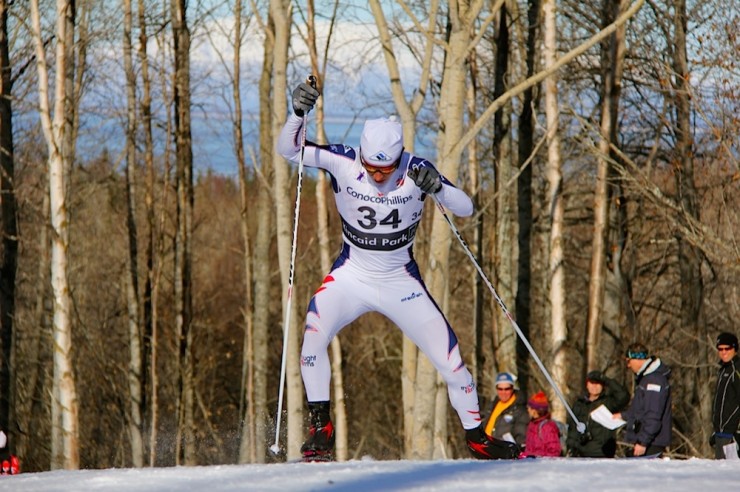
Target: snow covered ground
x=544 y=474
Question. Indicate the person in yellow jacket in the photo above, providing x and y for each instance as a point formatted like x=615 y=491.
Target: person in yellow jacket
x=509 y=418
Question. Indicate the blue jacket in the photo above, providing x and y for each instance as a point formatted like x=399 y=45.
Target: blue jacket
x=649 y=416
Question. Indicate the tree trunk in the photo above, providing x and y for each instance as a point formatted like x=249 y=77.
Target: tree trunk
x=607 y=302
x=65 y=423
x=9 y=233
x=431 y=438
x=689 y=256
x=280 y=10
x=153 y=245
x=556 y=208
x=503 y=252
x=524 y=198
x=262 y=261
x=184 y=234
x=132 y=281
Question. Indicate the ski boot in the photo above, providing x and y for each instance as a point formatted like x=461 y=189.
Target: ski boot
x=483 y=447
x=320 y=443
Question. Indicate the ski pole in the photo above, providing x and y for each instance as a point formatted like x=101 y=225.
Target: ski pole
x=275 y=448
x=580 y=426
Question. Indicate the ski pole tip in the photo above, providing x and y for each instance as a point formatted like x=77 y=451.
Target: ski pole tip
x=275 y=449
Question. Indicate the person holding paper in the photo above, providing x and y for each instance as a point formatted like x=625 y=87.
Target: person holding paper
x=598 y=441
x=649 y=416
x=726 y=407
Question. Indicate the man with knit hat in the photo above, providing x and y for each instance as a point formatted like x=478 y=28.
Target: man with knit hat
x=649 y=416
x=508 y=419
x=379 y=190
x=726 y=407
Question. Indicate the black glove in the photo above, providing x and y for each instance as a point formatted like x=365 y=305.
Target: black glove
x=712 y=439
x=304 y=98
x=427 y=179
x=584 y=438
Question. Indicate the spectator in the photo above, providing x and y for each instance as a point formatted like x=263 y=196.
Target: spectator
x=508 y=419
x=649 y=415
x=543 y=435
x=597 y=441
x=726 y=408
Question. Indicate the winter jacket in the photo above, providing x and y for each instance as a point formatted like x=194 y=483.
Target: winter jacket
x=543 y=437
x=649 y=415
x=512 y=421
x=726 y=408
x=597 y=441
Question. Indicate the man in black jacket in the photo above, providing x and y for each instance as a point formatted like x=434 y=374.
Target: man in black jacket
x=726 y=408
x=649 y=416
x=597 y=441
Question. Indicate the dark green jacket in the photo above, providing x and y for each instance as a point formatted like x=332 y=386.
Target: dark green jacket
x=598 y=441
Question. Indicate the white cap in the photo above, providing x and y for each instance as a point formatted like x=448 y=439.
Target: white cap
x=3 y=439
x=381 y=142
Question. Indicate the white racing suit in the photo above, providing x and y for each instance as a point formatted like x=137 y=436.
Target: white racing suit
x=376 y=270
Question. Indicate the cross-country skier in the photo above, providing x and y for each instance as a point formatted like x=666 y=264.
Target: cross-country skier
x=379 y=191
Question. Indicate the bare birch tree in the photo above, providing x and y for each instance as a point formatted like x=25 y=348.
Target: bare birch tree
x=248 y=445
x=430 y=423
x=613 y=61
x=65 y=419
x=154 y=243
x=556 y=207
x=281 y=12
x=261 y=261
x=184 y=234
x=132 y=281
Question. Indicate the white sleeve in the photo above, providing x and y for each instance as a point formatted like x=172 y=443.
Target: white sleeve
x=289 y=141
x=455 y=200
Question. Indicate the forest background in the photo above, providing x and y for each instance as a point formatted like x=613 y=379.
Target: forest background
x=147 y=222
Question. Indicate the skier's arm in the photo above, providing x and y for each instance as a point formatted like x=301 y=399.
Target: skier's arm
x=289 y=141
x=430 y=181
x=456 y=200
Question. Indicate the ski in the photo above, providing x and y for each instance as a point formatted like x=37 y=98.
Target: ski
x=318 y=457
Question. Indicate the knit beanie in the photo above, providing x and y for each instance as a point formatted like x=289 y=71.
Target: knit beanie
x=725 y=338
x=505 y=378
x=381 y=142
x=539 y=402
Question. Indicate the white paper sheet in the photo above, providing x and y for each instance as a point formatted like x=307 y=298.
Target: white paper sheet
x=731 y=451
x=603 y=416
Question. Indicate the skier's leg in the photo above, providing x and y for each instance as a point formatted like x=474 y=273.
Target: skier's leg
x=422 y=321
x=334 y=305
x=408 y=304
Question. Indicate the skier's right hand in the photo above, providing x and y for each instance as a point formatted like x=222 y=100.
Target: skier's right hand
x=304 y=98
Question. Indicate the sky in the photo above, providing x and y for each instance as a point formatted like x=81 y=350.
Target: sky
x=541 y=474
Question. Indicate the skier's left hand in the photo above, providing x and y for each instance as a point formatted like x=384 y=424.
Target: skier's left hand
x=427 y=179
